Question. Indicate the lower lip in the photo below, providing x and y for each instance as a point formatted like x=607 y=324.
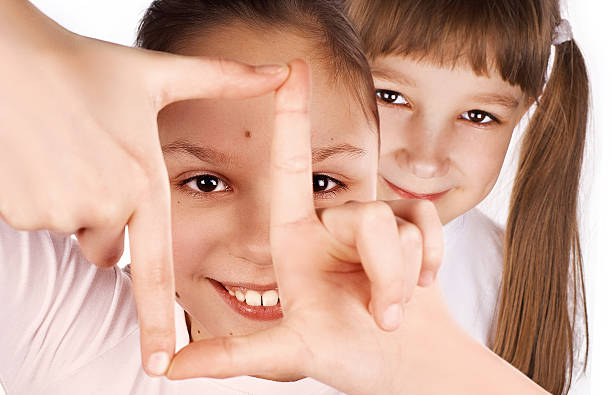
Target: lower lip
x=257 y=313
x=409 y=195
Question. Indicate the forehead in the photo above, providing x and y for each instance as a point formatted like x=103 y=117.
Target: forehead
x=335 y=114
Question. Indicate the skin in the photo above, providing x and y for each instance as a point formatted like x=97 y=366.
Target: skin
x=64 y=120
x=327 y=332
x=430 y=143
x=347 y=266
x=113 y=133
x=224 y=234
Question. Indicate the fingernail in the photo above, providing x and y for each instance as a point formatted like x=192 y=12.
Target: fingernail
x=271 y=69
x=392 y=317
x=427 y=278
x=158 y=363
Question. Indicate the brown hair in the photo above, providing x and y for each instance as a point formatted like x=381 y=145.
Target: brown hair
x=542 y=285
x=170 y=24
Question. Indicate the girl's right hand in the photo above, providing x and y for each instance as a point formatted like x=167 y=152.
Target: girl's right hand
x=338 y=267
x=80 y=149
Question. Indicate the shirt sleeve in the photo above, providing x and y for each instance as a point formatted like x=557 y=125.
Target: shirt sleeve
x=58 y=311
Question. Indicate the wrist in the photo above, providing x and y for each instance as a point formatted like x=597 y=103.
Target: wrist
x=23 y=29
x=468 y=367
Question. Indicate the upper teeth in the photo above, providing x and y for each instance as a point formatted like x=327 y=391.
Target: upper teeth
x=254 y=298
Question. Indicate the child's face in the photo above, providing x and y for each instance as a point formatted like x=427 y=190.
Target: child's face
x=217 y=155
x=445 y=132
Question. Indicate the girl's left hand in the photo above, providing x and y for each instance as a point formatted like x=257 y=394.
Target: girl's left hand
x=333 y=268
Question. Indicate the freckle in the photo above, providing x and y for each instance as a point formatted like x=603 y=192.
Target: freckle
x=198 y=331
x=231 y=334
x=177 y=295
x=332 y=139
x=247 y=134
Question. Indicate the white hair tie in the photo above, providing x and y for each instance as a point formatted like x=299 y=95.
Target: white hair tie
x=563 y=32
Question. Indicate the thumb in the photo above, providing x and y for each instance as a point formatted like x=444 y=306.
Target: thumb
x=174 y=78
x=276 y=354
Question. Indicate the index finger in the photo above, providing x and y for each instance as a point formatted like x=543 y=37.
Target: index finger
x=175 y=77
x=291 y=157
x=153 y=274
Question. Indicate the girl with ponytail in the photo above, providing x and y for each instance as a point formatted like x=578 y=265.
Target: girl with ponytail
x=453 y=80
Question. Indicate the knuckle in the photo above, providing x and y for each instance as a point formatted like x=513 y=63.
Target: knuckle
x=296 y=164
x=425 y=206
x=228 y=351
x=411 y=237
x=19 y=219
x=306 y=222
x=157 y=336
x=375 y=215
x=107 y=213
x=157 y=277
x=61 y=220
x=434 y=257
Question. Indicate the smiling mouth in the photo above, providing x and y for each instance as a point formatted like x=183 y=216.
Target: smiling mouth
x=413 y=195
x=258 y=304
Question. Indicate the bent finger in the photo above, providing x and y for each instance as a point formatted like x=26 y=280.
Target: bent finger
x=372 y=230
x=424 y=215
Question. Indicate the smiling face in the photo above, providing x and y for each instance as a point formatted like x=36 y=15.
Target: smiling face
x=445 y=132
x=217 y=155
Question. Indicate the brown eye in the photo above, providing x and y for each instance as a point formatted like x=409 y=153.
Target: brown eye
x=479 y=117
x=206 y=183
x=322 y=183
x=391 y=97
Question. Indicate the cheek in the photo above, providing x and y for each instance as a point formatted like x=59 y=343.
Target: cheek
x=482 y=163
x=392 y=130
x=195 y=231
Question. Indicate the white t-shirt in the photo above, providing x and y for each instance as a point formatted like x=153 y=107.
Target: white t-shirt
x=70 y=328
x=471 y=272
x=470 y=279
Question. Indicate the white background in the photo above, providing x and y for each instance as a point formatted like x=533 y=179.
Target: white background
x=116 y=21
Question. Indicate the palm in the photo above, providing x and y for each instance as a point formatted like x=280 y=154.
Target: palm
x=331 y=272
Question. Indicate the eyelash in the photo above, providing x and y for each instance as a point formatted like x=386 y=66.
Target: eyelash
x=383 y=94
x=466 y=116
x=340 y=186
x=193 y=191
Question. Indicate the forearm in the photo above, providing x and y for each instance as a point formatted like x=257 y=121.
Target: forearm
x=23 y=26
x=470 y=368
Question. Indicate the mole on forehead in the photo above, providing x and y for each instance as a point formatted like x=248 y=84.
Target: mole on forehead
x=247 y=134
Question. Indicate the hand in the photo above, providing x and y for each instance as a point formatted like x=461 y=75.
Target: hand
x=80 y=148
x=328 y=264
x=330 y=268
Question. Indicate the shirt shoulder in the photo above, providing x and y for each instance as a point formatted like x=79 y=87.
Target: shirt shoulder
x=471 y=272
x=62 y=310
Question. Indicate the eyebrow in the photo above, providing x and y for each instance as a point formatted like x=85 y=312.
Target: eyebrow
x=392 y=75
x=494 y=98
x=319 y=154
x=211 y=155
x=205 y=154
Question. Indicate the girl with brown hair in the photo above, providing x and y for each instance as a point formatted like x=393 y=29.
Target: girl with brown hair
x=453 y=80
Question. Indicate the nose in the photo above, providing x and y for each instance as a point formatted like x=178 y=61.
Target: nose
x=252 y=242
x=425 y=152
